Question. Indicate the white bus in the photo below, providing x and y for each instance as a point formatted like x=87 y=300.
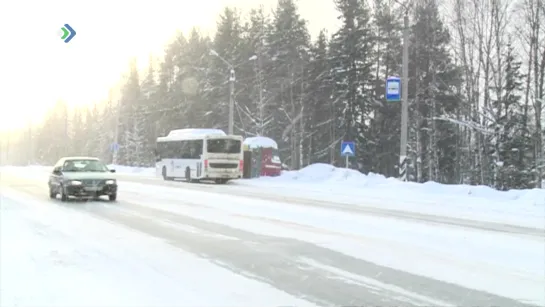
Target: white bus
x=199 y=154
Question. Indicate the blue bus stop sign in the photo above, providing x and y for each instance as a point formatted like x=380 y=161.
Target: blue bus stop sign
x=114 y=147
x=393 y=89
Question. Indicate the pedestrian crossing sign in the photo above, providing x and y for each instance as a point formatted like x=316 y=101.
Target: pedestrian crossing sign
x=348 y=149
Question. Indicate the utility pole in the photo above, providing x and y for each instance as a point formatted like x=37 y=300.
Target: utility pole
x=403 y=161
x=115 y=146
x=29 y=154
x=232 y=80
x=8 y=147
x=67 y=148
x=261 y=130
x=260 y=81
x=231 y=99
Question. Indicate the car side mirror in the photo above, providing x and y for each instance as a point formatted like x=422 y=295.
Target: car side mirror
x=57 y=172
x=112 y=171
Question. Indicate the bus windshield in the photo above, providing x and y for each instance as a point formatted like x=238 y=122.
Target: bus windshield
x=223 y=146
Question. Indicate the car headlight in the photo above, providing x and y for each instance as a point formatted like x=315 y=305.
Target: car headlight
x=75 y=182
x=110 y=181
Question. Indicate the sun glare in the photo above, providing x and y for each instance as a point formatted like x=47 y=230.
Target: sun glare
x=38 y=68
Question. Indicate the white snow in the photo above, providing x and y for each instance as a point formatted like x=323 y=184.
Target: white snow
x=131 y=170
x=479 y=260
x=324 y=182
x=260 y=141
x=178 y=132
x=365 y=281
x=190 y=134
x=486 y=261
x=55 y=256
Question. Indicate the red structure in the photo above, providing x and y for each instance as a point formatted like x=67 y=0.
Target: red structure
x=264 y=156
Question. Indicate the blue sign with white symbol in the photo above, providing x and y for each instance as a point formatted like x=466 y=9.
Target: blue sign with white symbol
x=114 y=147
x=393 y=89
x=348 y=149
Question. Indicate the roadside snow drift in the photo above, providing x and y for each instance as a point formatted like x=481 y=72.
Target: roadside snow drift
x=341 y=178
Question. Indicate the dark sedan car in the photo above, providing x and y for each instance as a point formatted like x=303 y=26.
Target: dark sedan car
x=82 y=177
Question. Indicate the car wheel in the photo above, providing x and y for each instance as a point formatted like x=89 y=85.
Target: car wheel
x=64 y=197
x=52 y=194
x=164 y=173
x=112 y=197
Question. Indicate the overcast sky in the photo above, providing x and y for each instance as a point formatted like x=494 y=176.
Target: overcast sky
x=37 y=68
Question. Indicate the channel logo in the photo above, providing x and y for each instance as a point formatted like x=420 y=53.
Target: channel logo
x=67 y=33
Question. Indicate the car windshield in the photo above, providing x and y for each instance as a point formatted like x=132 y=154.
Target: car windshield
x=84 y=166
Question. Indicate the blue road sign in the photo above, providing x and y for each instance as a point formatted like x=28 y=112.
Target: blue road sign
x=348 y=149
x=393 y=89
x=114 y=147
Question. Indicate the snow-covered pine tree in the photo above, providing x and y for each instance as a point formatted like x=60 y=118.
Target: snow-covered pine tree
x=77 y=133
x=385 y=130
x=166 y=101
x=131 y=107
x=352 y=60
x=257 y=119
x=512 y=141
x=320 y=121
x=228 y=45
x=195 y=101
x=289 y=45
x=433 y=79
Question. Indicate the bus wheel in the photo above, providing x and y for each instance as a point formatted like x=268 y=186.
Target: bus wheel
x=187 y=174
x=164 y=172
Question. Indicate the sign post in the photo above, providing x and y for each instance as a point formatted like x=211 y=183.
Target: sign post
x=114 y=147
x=348 y=149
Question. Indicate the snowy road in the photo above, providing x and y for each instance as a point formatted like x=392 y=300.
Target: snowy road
x=322 y=253
x=271 y=194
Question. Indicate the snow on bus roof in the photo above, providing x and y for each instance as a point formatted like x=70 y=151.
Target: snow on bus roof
x=260 y=141
x=188 y=134
x=184 y=132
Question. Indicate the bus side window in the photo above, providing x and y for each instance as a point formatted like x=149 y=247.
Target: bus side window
x=171 y=150
x=183 y=151
x=192 y=151
x=198 y=149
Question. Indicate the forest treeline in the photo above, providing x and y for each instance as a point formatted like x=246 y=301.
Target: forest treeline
x=476 y=89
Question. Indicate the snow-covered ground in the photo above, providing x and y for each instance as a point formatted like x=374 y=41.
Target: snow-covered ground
x=323 y=182
x=475 y=259
x=502 y=264
x=54 y=257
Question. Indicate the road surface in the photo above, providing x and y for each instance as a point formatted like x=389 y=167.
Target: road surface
x=275 y=260
x=383 y=212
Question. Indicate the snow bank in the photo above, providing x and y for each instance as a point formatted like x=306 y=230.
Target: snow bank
x=341 y=178
x=131 y=170
x=260 y=141
x=121 y=169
